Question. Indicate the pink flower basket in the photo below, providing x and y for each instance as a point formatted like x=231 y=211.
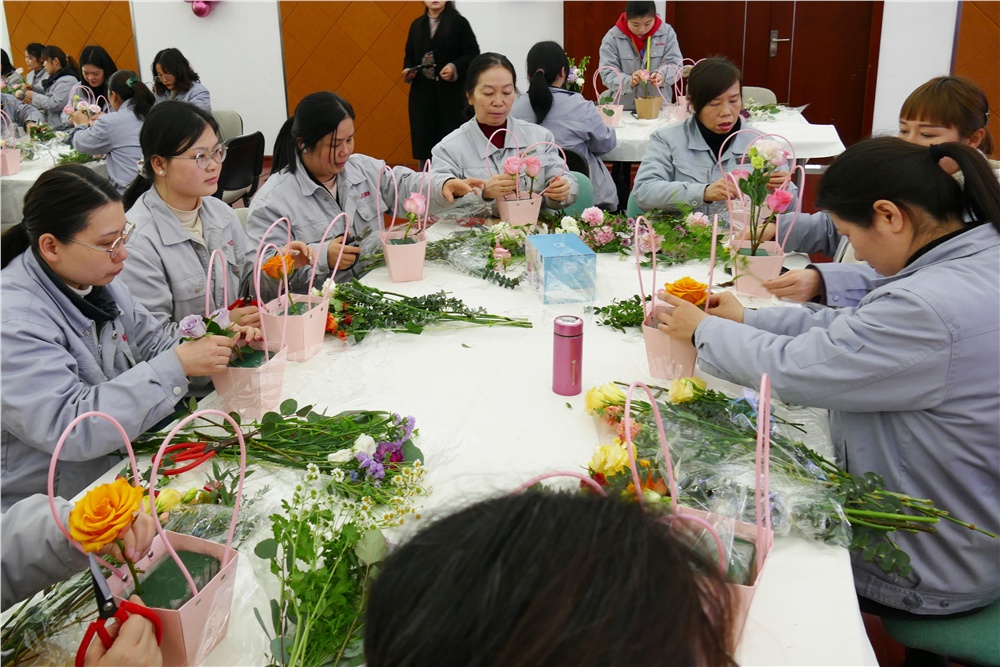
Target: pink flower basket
x=304 y=332
x=192 y=631
x=405 y=261
x=751 y=271
x=520 y=212
x=759 y=533
x=668 y=357
x=611 y=114
x=10 y=161
x=251 y=392
x=10 y=158
x=518 y=209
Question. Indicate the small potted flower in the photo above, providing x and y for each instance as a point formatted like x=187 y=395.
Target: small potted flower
x=406 y=250
x=647 y=106
x=610 y=106
x=519 y=209
x=10 y=154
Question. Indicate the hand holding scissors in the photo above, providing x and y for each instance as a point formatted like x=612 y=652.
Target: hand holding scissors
x=107 y=608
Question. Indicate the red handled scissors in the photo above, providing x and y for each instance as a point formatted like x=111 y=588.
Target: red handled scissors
x=108 y=608
x=196 y=452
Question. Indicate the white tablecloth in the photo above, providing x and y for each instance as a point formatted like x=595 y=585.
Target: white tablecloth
x=13 y=188
x=810 y=141
x=488 y=421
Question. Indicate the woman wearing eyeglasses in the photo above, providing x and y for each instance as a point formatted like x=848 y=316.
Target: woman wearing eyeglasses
x=116 y=134
x=75 y=340
x=175 y=80
x=179 y=223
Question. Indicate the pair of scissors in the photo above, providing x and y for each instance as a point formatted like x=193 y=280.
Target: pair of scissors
x=196 y=452
x=108 y=608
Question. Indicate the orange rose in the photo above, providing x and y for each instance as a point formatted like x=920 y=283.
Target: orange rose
x=688 y=289
x=104 y=513
x=278 y=266
x=331 y=323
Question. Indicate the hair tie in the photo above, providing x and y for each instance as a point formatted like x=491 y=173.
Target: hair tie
x=132 y=80
x=540 y=70
x=935 y=152
x=987 y=118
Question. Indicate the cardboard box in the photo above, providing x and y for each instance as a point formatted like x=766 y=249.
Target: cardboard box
x=561 y=268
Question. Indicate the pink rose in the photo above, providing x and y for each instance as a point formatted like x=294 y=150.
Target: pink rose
x=81 y=106
x=741 y=174
x=643 y=74
x=68 y=110
x=513 y=166
x=93 y=108
x=778 y=200
x=532 y=166
x=416 y=204
x=501 y=254
x=592 y=216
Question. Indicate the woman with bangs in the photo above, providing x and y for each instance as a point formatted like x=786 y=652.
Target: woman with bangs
x=175 y=80
x=946 y=108
x=316 y=176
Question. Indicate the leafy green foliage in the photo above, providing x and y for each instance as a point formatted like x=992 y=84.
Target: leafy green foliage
x=621 y=314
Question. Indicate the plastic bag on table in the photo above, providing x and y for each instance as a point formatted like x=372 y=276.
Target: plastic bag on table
x=468 y=211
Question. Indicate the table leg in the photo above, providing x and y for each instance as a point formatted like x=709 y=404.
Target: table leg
x=621 y=174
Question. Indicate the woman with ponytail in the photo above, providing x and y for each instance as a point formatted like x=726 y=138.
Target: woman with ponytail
x=179 y=224
x=63 y=75
x=575 y=123
x=116 y=134
x=316 y=176
x=75 y=340
x=911 y=376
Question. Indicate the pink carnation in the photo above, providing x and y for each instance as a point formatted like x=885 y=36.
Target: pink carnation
x=741 y=174
x=532 y=166
x=779 y=200
x=513 y=166
x=697 y=218
x=643 y=74
x=592 y=216
x=604 y=235
x=649 y=242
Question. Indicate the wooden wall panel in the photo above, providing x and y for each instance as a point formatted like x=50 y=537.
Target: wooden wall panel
x=977 y=52
x=71 y=26
x=354 y=49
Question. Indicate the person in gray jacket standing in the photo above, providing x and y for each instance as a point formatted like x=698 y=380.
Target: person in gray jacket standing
x=640 y=40
x=74 y=340
x=911 y=376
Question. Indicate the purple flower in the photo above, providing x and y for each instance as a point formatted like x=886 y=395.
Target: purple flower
x=220 y=317
x=193 y=326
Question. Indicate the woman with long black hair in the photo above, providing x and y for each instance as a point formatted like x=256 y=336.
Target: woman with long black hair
x=910 y=375
x=63 y=75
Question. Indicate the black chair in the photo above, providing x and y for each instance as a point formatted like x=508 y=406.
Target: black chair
x=240 y=173
x=576 y=162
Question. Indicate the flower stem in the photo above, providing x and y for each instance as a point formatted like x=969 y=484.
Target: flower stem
x=131 y=566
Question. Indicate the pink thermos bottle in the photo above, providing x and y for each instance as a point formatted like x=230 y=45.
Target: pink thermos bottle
x=567 y=356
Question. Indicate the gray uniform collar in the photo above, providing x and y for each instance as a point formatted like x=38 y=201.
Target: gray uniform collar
x=965 y=244
x=307 y=186
x=76 y=319
x=169 y=227
x=696 y=142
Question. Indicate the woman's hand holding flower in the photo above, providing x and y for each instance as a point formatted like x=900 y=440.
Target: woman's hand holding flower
x=722 y=189
x=656 y=79
x=778 y=178
x=246 y=316
x=137 y=537
x=498 y=186
x=205 y=355
x=559 y=189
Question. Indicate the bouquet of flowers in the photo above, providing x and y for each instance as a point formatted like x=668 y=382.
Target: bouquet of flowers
x=577 y=71
x=76 y=157
x=217 y=323
x=766 y=156
x=713 y=439
x=15 y=89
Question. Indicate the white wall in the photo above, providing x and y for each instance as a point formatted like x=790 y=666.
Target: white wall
x=5 y=36
x=917 y=43
x=512 y=28
x=236 y=50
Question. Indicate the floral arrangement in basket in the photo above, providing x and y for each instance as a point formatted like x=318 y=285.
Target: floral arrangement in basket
x=766 y=156
x=577 y=72
x=217 y=323
x=713 y=437
x=608 y=104
x=529 y=166
x=82 y=99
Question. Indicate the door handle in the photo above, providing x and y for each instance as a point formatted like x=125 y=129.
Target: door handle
x=773 y=51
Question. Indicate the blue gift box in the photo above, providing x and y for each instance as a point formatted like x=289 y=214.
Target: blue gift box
x=561 y=268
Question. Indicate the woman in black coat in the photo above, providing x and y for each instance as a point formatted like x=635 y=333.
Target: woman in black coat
x=439 y=48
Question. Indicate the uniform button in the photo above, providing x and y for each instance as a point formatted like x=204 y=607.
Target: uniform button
x=86 y=332
x=114 y=335
x=177 y=391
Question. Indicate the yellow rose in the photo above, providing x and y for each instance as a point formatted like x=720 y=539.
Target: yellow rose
x=101 y=515
x=685 y=389
x=167 y=499
x=688 y=289
x=609 y=460
x=601 y=397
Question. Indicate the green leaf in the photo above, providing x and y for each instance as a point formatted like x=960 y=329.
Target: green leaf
x=266 y=549
x=412 y=328
x=868 y=554
x=568 y=405
x=271 y=418
x=256 y=612
x=465 y=345
x=289 y=406
x=371 y=548
x=411 y=452
x=235 y=416
x=302 y=412
x=276 y=618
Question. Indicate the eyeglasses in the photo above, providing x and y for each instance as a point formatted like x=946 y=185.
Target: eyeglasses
x=205 y=159
x=114 y=249
x=162 y=78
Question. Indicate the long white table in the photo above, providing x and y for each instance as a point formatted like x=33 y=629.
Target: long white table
x=488 y=421
x=13 y=188
x=810 y=141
